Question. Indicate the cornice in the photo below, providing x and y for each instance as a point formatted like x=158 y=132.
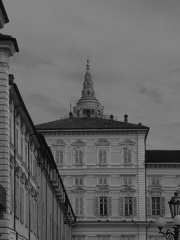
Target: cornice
x=162 y=165
x=90 y=132
x=96 y=171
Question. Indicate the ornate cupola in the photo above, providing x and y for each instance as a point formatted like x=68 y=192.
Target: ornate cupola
x=88 y=105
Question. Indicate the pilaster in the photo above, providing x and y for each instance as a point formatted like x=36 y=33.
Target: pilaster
x=7 y=49
x=141 y=177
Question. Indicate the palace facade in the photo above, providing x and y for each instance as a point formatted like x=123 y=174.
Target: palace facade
x=117 y=188
x=86 y=176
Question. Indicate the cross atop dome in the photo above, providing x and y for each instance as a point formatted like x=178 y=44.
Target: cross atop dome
x=88 y=105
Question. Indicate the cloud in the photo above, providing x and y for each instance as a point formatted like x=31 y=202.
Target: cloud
x=155 y=95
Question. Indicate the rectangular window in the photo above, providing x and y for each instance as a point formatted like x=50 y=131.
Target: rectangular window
x=26 y=153
x=17 y=199
x=12 y=192
x=78 y=157
x=22 y=146
x=21 y=204
x=102 y=156
x=27 y=209
x=127 y=155
x=78 y=181
x=128 y=204
x=156 y=206
x=127 y=181
x=102 y=181
x=79 y=202
x=103 y=206
x=10 y=125
x=16 y=139
x=155 y=181
x=59 y=157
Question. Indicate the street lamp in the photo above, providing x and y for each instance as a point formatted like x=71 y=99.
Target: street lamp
x=174 y=205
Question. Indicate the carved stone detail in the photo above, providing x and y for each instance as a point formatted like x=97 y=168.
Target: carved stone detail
x=103 y=190
x=127 y=142
x=59 y=142
x=155 y=191
x=102 y=142
x=128 y=191
x=78 y=191
x=78 y=143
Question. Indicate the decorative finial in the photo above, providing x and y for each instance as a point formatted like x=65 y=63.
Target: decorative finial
x=87 y=65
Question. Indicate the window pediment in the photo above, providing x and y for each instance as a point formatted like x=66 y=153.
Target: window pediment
x=59 y=142
x=127 y=237
x=128 y=191
x=103 y=190
x=78 y=190
x=78 y=143
x=155 y=191
x=127 y=142
x=102 y=142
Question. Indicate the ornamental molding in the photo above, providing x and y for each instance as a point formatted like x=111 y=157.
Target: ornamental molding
x=59 y=142
x=103 y=190
x=162 y=165
x=78 y=191
x=128 y=191
x=105 y=132
x=102 y=142
x=103 y=237
x=156 y=237
x=127 y=142
x=78 y=143
x=155 y=191
x=127 y=237
x=105 y=171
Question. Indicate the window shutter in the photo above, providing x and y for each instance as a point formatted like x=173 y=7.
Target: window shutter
x=96 y=207
x=81 y=205
x=148 y=206
x=162 y=206
x=76 y=205
x=76 y=156
x=105 y=181
x=61 y=157
x=129 y=155
x=81 y=181
x=130 y=181
x=104 y=156
x=109 y=206
x=76 y=182
x=100 y=181
x=80 y=157
x=135 y=206
x=125 y=181
x=100 y=157
x=125 y=154
x=121 y=206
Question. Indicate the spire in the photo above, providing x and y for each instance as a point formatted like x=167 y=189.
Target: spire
x=88 y=102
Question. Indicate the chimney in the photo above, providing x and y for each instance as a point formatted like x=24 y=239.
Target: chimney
x=111 y=117
x=125 y=118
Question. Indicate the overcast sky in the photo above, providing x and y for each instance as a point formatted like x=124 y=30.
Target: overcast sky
x=134 y=51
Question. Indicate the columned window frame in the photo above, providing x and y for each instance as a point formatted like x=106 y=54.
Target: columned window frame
x=59 y=150
x=102 y=149
x=127 y=151
x=103 y=205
